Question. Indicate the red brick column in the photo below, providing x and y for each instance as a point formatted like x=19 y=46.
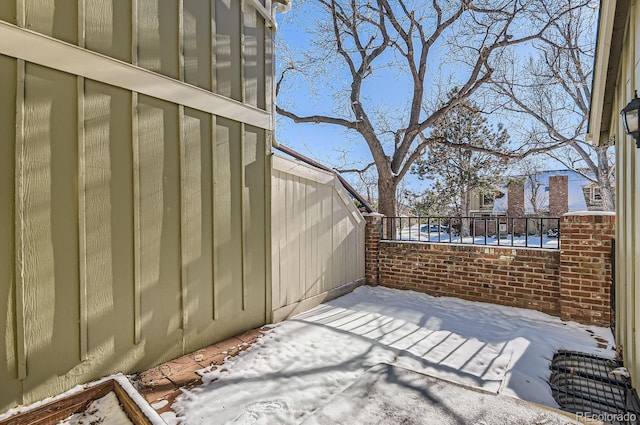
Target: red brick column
x=585 y=267
x=372 y=235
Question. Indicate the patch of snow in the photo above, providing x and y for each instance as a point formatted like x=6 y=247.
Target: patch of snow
x=170 y=418
x=508 y=241
x=620 y=372
x=105 y=410
x=372 y=214
x=305 y=362
x=583 y=213
x=160 y=404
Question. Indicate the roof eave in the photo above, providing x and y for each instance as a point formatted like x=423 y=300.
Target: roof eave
x=612 y=21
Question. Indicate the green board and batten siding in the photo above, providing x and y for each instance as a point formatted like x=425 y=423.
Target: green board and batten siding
x=616 y=78
x=133 y=228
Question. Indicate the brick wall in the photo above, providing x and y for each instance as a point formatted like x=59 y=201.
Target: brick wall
x=372 y=235
x=572 y=283
x=585 y=269
x=514 y=277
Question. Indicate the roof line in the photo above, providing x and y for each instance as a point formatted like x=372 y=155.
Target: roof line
x=350 y=189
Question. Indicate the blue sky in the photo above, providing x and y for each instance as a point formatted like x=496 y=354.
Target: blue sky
x=328 y=143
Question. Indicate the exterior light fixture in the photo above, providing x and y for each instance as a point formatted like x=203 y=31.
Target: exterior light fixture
x=631 y=118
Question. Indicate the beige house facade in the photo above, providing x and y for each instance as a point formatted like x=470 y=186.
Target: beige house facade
x=135 y=184
x=617 y=75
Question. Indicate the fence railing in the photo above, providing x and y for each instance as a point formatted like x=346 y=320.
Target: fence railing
x=532 y=232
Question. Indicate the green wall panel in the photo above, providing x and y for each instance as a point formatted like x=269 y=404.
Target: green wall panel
x=108 y=27
x=228 y=223
x=144 y=224
x=254 y=224
x=197 y=43
x=51 y=282
x=197 y=228
x=109 y=234
x=8 y=11
x=227 y=49
x=158 y=36
x=11 y=388
x=55 y=18
x=159 y=230
x=254 y=58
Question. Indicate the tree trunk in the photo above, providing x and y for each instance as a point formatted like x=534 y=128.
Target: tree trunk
x=465 y=206
x=387 y=203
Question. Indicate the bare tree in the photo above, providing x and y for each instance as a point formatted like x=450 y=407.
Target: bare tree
x=532 y=170
x=429 y=46
x=554 y=89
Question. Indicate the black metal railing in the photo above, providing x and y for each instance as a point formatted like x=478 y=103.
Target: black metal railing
x=531 y=232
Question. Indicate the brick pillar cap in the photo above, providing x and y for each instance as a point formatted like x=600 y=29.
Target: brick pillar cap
x=372 y=214
x=593 y=213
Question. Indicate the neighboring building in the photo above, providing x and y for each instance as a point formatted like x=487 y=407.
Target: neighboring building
x=134 y=187
x=548 y=193
x=593 y=197
x=616 y=77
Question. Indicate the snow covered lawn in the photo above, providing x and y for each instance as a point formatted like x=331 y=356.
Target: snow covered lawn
x=531 y=241
x=305 y=362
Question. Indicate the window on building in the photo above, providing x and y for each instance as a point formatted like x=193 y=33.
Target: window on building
x=488 y=199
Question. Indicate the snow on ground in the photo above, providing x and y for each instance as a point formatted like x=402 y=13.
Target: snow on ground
x=305 y=362
x=105 y=410
x=531 y=241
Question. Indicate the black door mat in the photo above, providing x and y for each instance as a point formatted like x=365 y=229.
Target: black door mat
x=593 y=387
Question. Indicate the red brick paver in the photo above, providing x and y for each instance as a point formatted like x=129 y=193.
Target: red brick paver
x=163 y=382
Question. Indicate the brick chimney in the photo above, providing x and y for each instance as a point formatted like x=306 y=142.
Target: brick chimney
x=515 y=205
x=515 y=199
x=558 y=195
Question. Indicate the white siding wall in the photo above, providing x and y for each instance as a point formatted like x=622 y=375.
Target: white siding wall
x=317 y=238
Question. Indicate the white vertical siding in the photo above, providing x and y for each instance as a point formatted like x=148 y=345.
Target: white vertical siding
x=317 y=238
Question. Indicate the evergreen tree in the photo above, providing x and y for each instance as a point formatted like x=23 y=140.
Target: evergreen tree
x=461 y=164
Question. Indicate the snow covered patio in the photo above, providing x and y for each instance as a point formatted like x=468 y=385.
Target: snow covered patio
x=319 y=366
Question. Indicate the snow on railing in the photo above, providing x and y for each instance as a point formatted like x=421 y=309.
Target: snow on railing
x=531 y=232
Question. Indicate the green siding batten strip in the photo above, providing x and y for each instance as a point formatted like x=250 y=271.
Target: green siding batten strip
x=136 y=219
x=21 y=348
x=214 y=251
x=243 y=224
x=82 y=204
x=214 y=289
x=243 y=216
x=182 y=147
x=243 y=93
x=137 y=246
x=183 y=216
x=180 y=35
x=82 y=221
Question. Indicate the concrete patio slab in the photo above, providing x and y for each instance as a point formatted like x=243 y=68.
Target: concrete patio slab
x=390 y=395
